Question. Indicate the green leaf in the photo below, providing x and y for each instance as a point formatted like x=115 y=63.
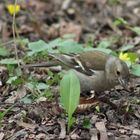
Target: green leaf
x=38 y=46
x=87 y=123
x=54 y=42
x=70 y=122
x=128 y=63
x=4 y=52
x=26 y=100
x=135 y=69
x=42 y=86
x=126 y=48
x=70 y=93
x=18 y=71
x=9 y=61
x=107 y=51
x=11 y=79
x=2 y=114
x=104 y=44
x=70 y=46
x=97 y=108
x=133 y=57
x=69 y=36
x=30 y=85
x=22 y=41
x=136 y=30
x=120 y=21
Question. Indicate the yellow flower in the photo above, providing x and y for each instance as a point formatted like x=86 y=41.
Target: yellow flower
x=13 y=8
x=124 y=56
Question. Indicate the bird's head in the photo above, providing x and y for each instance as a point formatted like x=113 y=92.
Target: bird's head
x=117 y=71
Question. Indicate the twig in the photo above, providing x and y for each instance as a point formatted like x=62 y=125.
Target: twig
x=14 y=32
x=6 y=43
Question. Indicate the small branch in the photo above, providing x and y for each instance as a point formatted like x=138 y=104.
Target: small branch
x=14 y=32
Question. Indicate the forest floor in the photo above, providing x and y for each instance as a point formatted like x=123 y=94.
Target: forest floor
x=39 y=118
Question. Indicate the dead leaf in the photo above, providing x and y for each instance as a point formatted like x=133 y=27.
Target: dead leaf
x=1 y=135
x=136 y=132
x=70 y=28
x=75 y=136
x=102 y=129
x=63 y=129
x=87 y=103
x=40 y=6
x=12 y=98
x=17 y=95
x=94 y=134
x=41 y=136
x=26 y=125
x=17 y=134
x=53 y=31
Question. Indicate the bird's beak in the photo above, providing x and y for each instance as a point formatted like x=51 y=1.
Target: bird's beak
x=123 y=82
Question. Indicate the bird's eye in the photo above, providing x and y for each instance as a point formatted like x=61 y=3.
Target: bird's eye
x=118 y=73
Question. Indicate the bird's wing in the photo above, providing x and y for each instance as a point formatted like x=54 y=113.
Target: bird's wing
x=72 y=61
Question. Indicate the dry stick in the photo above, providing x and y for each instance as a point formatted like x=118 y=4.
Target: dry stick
x=6 y=43
x=14 y=32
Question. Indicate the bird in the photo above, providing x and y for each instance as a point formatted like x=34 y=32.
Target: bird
x=96 y=70
x=84 y=62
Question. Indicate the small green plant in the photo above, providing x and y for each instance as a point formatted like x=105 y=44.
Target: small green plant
x=2 y=114
x=37 y=89
x=121 y=21
x=70 y=94
x=87 y=123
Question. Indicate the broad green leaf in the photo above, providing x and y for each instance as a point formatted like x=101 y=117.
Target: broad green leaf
x=70 y=94
x=38 y=46
x=4 y=52
x=126 y=47
x=136 y=30
x=104 y=44
x=9 y=61
x=26 y=100
x=70 y=46
x=55 y=42
x=70 y=122
x=135 y=69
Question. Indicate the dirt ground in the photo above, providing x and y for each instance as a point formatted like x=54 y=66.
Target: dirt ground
x=88 y=19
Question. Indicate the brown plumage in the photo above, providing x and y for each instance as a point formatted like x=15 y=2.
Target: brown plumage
x=96 y=70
